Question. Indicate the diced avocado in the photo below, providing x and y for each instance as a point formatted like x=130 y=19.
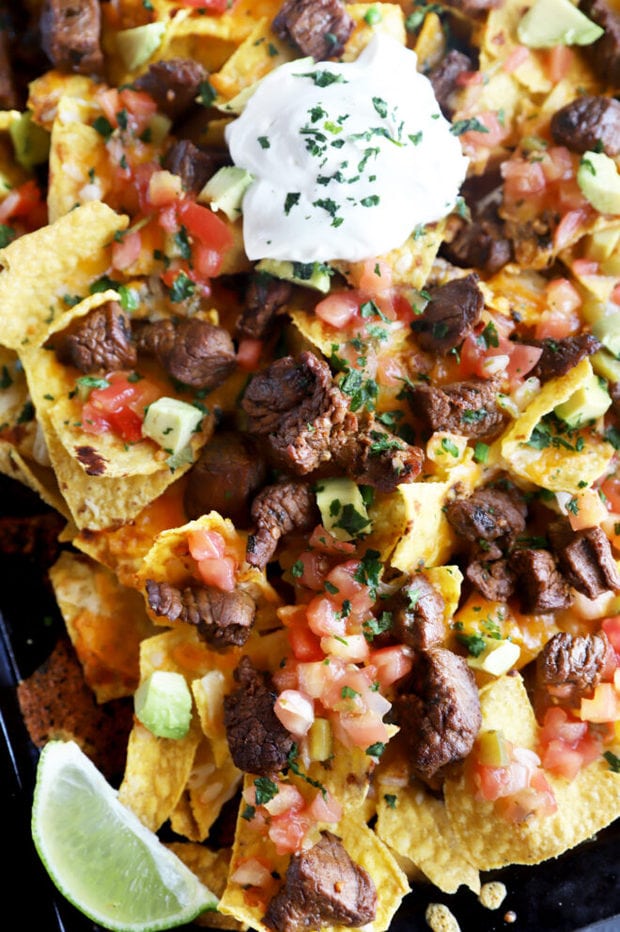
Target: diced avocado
x=159 y=127
x=225 y=190
x=342 y=507
x=135 y=46
x=606 y=366
x=314 y=275
x=587 y=404
x=163 y=703
x=30 y=141
x=497 y=658
x=171 y=423
x=492 y=749
x=556 y=22
x=607 y=329
x=598 y=178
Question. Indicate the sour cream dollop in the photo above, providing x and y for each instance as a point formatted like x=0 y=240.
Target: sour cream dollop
x=347 y=158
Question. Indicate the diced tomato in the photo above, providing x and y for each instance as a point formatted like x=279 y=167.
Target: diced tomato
x=219 y=572
x=517 y=57
x=615 y=295
x=310 y=569
x=119 y=408
x=324 y=542
x=390 y=664
x=324 y=617
x=287 y=799
x=559 y=61
x=126 y=250
x=610 y=488
x=206 y=262
x=604 y=706
x=168 y=220
x=589 y=511
x=202 y=223
x=204 y=543
x=611 y=627
x=325 y=808
x=557 y=164
x=295 y=711
x=252 y=872
x=313 y=677
x=109 y=101
x=494 y=135
x=211 y=6
x=469 y=78
x=164 y=188
x=583 y=267
x=535 y=799
x=566 y=744
x=522 y=178
x=522 y=360
x=361 y=730
x=352 y=647
x=339 y=309
x=372 y=277
x=249 y=354
x=568 y=227
x=288 y=831
x=24 y=202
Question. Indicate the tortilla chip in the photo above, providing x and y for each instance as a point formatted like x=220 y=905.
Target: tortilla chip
x=362 y=844
x=414 y=823
x=106 y=623
x=423 y=536
x=40 y=479
x=17 y=416
x=585 y=805
x=76 y=150
x=169 y=560
x=211 y=867
x=39 y=268
x=392 y=23
x=257 y=55
x=555 y=467
x=209 y=786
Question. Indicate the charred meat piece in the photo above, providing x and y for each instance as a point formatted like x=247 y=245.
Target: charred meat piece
x=417 y=610
x=222 y=618
x=258 y=742
x=575 y=660
x=490 y=516
x=481 y=242
x=440 y=712
x=319 y=28
x=71 y=35
x=304 y=415
x=99 y=342
x=588 y=124
x=194 y=165
x=443 y=78
x=173 y=84
x=540 y=586
x=560 y=356
x=323 y=886
x=276 y=511
x=9 y=96
x=473 y=9
x=450 y=314
x=264 y=296
x=604 y=54
x=467 y=408
x=495 y=580
x=614 y=391
x=585 y=558
x=373 y=456
x=228 y=473
x=191 y=350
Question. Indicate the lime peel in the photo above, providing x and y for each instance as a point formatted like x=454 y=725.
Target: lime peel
x=100 y=856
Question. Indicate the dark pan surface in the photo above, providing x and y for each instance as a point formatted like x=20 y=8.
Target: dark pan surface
x=576 y=892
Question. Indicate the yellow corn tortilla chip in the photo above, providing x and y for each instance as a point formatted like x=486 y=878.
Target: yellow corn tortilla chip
x=40 y=479
x=555 y=467
x=75 y=150
x=585 y=805
x=362 y=844
x=211 y=867
x=209 y=786
x=258 y=54
x=17 y=421
x=422 y=534
x=105 y=621
x=169 y=560
x=414 y=823
x=38 y=269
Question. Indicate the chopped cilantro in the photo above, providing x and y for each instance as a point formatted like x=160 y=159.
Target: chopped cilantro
x=376 y=749
x=206 y=94
x=474 y=643
x=324 y=78
x=297 y=569
x=347 y=692
x=129 y=298
x=266 y=789
x=472 y=124
x=7 y=235
x=103 y=127
x=5 y=378
x=390 y=800
x=352 y=521
x=294 y=766
x=375 y=626
x=290 y=201
x=182 y=288
x=369 y=571
x=613 y=760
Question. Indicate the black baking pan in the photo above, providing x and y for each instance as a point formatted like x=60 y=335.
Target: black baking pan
x=576 y=892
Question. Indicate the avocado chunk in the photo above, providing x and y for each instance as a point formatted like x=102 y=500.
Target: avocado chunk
x=163 y=703
x=342 y=507
x=556 y=22
x=587 y=404
x=135 y=46
x=171 y=423
x=607 y=329
x=606 y=366
x=30 y=141
x=598 y=178
x=225 y=190
x=314 y=275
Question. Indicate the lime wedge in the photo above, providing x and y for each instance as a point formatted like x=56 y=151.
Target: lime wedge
x=99 y=854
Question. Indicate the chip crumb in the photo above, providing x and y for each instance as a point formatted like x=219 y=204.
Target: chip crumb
x=510 y=916
x=492 y=894
x=440 y=919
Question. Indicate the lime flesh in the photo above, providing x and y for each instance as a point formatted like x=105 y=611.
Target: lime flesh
x=100 y=856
